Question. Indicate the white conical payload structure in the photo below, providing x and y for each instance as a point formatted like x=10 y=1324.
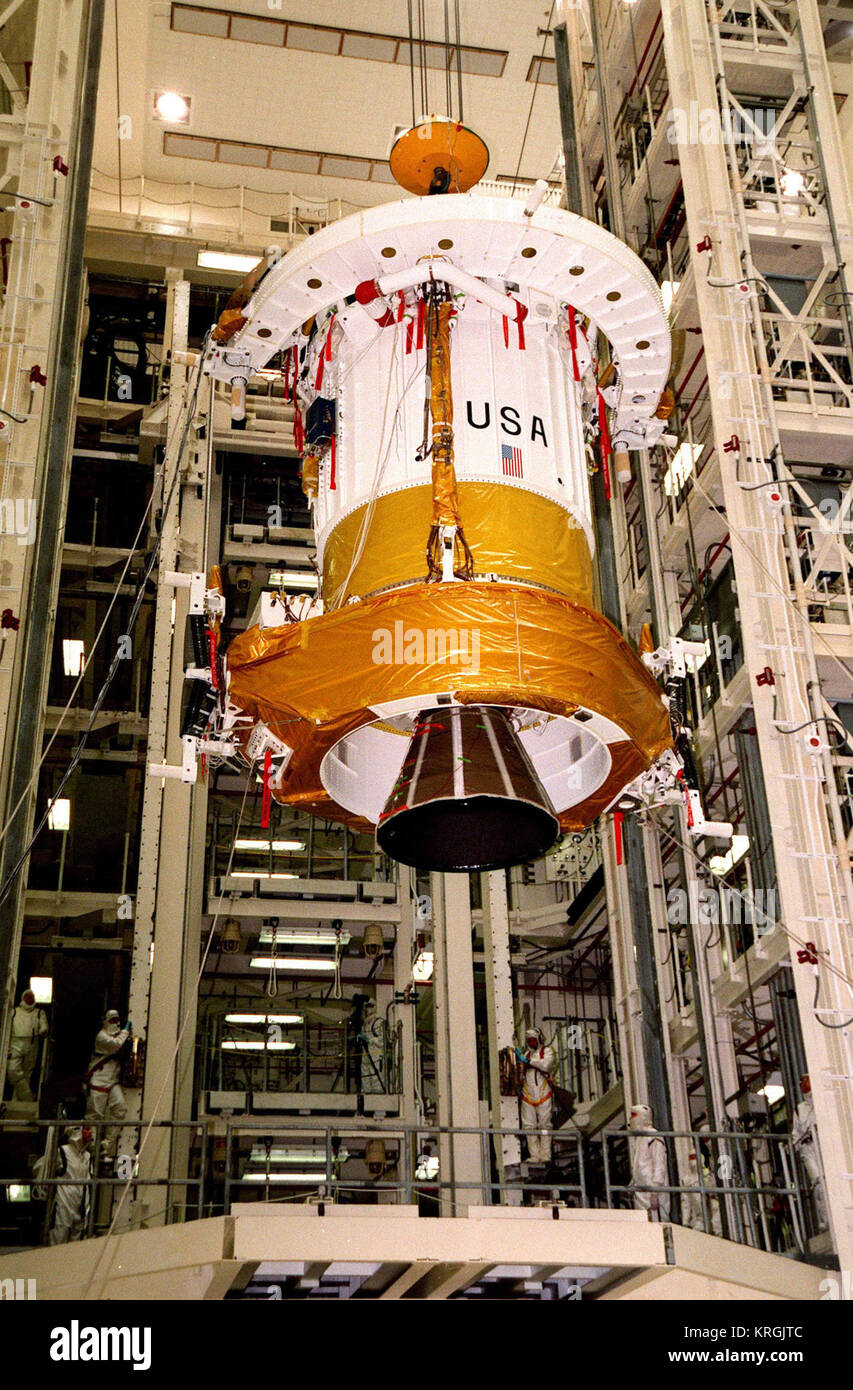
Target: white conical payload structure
x=441 y=356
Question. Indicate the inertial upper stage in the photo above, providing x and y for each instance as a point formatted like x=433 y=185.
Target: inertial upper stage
x=453 y=685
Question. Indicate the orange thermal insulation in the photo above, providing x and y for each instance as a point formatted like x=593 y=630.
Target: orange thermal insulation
x=315 y=681
x=445 y=502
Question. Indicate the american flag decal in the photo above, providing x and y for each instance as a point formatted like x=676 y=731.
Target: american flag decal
x=511 y=462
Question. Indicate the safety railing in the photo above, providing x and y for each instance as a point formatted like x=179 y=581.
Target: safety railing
x=753 y=1190
x=111 y=1169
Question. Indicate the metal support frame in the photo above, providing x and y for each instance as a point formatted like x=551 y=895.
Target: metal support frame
x=169 y=899
x=64 y=91
x=499 y=1013
x=813 y=876
x=458 y=1100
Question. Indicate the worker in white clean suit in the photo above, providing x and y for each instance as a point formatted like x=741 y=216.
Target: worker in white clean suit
x=807 y=1148
x=693 y=1205
x=537 y=1063
x=372 y=1038
x=70 y=1199
x=29 y=1024
x=648 y=1163
x=106 y=1098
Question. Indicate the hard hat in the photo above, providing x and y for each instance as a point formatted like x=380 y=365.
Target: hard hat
x=110 y=1015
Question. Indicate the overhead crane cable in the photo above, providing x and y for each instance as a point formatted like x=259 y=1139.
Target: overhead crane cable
x=533 y=94
x=412 y=64
x=461 y=112
x=448 y=100
x=167 y=1078
x=795 y=940
x=423 y=64
x=109 y=678
x=118 y=106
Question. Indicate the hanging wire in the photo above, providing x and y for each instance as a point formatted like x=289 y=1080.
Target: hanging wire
x=533 y=95
x=412 y=63
x=118 y=104
x=118 y=657
x=461 y=112
x=422 y=39
x=448 y=99
x=272 y=978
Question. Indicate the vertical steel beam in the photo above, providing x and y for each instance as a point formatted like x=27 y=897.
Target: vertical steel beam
x=458 y=1100
x=649 y=1058
x=26 y=721
x=499 y=1014
x=813 y=880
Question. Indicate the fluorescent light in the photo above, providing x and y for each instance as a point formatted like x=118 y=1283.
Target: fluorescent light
x=301 y=1178
x=423 y=966
x=680 y=468
x=279 y=846
x=256 y=1045
x=73 y=655
x=293 y=579
x=263 y=1018
x=42 y=988
x=226 y=260
x=286 y=963
x=303 y=936
x=792 y=183
x=18 y=1192
x=427 y=1167
x=772 y=1093
x=172 y=108
x=279 y=1154
x=59 y=814
x=258 y=873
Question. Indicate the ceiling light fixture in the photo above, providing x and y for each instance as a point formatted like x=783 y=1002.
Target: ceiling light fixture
x=264 y=1018
x=303 y=936
x=258 y=873
x=772 y=1093
x=278 y=846
x=59 y=815
x=293 y=579
x=73 y=655
x=423 y=966
x=256 y=1045
x=285 y=964
x=301 y=1178
x=226 y=260
x=172 y=108
x=793 y=183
